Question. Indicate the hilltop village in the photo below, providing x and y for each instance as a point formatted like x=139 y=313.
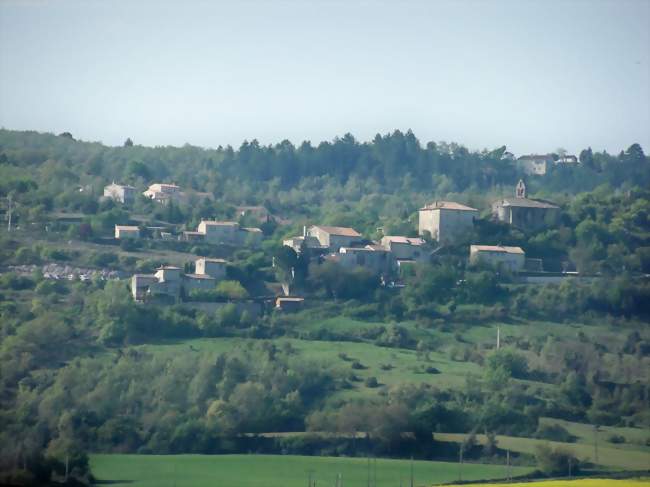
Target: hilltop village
x=441 y=224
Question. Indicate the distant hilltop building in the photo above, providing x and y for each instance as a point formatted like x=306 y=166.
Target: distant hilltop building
x=535 y=164
x=121 y=193
x=446 y=221
x=567 y=159
x=523 y=212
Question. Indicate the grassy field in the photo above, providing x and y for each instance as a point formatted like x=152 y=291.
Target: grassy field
x=635 y=438
x=578 y=483
x=608 y=455
x=405 y=365
x=277 y=471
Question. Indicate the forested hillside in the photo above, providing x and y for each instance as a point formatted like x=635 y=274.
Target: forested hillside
x=85 y=369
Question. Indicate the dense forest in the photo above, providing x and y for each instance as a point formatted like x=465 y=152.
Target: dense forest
x=80 y=371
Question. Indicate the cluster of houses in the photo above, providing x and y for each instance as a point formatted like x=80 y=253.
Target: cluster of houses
x=171 y=282
x=440 y=222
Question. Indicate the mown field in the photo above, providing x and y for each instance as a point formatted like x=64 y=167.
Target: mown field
x=278 y=471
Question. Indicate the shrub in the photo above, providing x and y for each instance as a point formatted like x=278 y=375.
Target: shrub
x=616 y=439
x=358 y=365
x=555 y=461
x=372 y=382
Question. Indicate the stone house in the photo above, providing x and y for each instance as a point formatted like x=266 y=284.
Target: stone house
x=127 y=231
x=223 y=232
x=120 y=192
x=334 y=238
x=525 y=213
x=163 y=193
x=535 y=164
x=296 y=243
x=374 y=258
x=406 y=248
x=446 y=221
x=510 y=258
x=211 y=267
x=169 y=281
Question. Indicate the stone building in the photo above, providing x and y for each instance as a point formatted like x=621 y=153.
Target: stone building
x=127 y=231
x=535 y=164
x=120 y=192
x=406 y=248
x=446 y=221
x=170 y=282
x=374 y=258
x=211 y=267
x=509 y=258
x=223 y=232
x=334 y=238
x=525 y=213
x=163 y=193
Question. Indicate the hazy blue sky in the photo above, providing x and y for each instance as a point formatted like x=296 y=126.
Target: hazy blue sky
x=534 y=75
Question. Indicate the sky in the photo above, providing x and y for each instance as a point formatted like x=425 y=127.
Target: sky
x=532 y=75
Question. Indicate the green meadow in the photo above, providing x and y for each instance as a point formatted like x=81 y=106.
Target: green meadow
x=279 y=471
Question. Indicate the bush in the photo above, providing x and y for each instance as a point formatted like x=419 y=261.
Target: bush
x=616 y=439
x=556 y=461
x=372 y=382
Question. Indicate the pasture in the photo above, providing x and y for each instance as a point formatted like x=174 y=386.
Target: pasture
x=608 y=455
x=278 y=471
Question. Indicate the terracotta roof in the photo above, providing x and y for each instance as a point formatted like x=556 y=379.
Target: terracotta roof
x=126 y=227
x=527 y=203
x=447 y=205
x=341 y=231
x=405 y=240
x=497 y=248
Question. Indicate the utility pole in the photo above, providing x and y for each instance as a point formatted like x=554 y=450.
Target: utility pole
x=10 y=209
x=412 y=477
x=368 y=470
x=508 y=464
x=596 y=444
x=460 y=463
x=67 y=465
x=498 y=337
x=374 y=480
